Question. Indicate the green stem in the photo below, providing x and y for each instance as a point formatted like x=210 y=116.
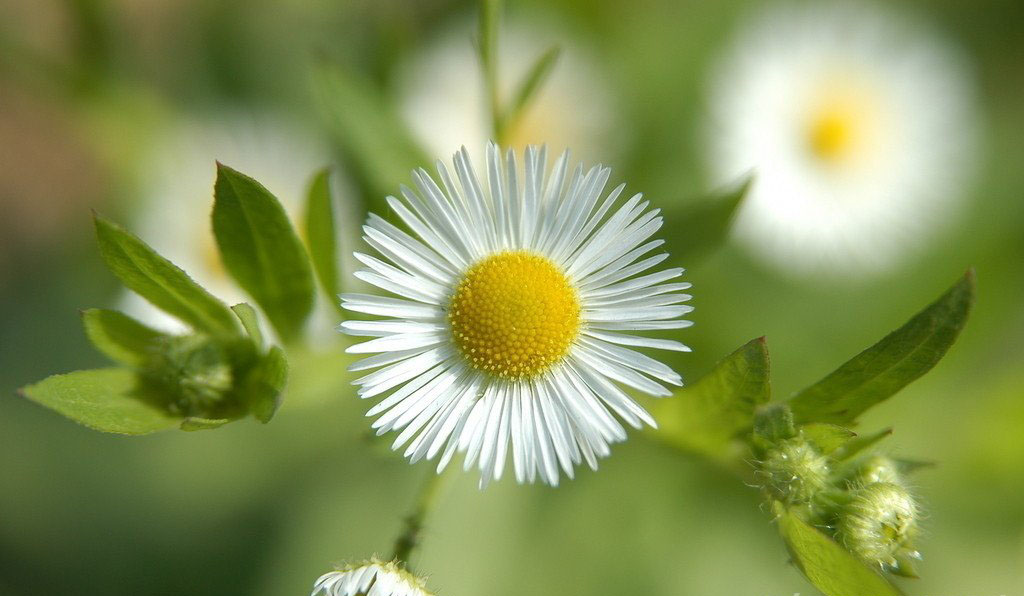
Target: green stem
x=409 y=539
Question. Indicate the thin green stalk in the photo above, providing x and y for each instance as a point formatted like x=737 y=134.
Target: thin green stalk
x=409 y=539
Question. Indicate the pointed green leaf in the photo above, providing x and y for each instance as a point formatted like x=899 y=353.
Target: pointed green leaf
x=879 y=372
x=859 y=443
x=161 y=282
x=261 y=250
x=827 y=437
x=266 y=384
x=373 y=138
x=830 y=567
x=105 y=399
x=708 y=415
x=194 y=423
x=707 y=223
x=120 y=337
x=530 y=85
x=321 y=227
x=251 y=322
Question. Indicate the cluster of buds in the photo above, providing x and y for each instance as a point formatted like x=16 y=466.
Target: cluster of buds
x=861 y=502
x=193 y=372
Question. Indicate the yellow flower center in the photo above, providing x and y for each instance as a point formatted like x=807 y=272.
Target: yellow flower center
x=514 y=314
x=842 y=124
x=831 y=134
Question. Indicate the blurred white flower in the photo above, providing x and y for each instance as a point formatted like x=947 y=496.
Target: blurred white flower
x=443 y=99
x=370 y=578
x=513 y=316
x=858 y=127
x=177 y=196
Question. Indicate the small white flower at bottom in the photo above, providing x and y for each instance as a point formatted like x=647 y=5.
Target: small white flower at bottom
x=370 y=578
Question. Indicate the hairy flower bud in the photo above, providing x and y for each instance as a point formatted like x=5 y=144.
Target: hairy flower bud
x=795 y=471
x=192 y=371
x=879 y=523
x=877 y=468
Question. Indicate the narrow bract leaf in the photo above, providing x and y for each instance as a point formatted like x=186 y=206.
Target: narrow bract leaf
x=266 y=385
x=375 y=141
x=321 y=229
x=105 y=399
x=261 y=250
x=194 y=423
x=161 y=282
x=530 y=86
x=882 y=370
x=250 y=321
x=707 y=222
x=707 y=416
x=859 y=443
x=826 y=564
x=826 y=437
x=120 y=337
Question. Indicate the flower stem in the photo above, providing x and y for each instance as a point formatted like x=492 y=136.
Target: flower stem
x=409 y=539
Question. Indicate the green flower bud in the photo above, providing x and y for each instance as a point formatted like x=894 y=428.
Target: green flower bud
x=879 y=523
x=877 y=468
x=795 y=471
x=192 y=372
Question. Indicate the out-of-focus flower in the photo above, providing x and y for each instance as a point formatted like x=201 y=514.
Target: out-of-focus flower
x=858 y=126
x=513 y=312
x=370 y=578
x=443 y=98
x=177 y=195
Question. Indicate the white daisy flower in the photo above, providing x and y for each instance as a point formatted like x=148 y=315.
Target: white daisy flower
x=442 y=96
x=858 y=128
x=370 y=578
x=514 y=308
x=177 y=196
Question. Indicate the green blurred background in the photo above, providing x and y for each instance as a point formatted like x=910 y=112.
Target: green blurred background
x=89 y=89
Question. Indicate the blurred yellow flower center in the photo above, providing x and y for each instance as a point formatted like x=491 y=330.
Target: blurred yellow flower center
x=839 y=127
x=514 y=314
x=830 y=134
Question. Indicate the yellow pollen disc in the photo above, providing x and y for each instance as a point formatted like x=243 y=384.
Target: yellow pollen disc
x=830 y=134
x=514 y=314
x=842 y=124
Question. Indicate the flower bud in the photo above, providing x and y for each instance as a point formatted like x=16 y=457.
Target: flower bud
x=193 y=372
x=796 y=471
x=879 y=523
x=877 y=468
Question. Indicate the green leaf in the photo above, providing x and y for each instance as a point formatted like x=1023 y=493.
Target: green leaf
x=830 y=567
x=105 y=399
x=321 y=226
x=251 y=322
x=487 y=46
x=194 y=423
x=161 y=282
x=827 y=437
x=879 y=372
x=708 y=221
x=773 y=423
x=859 y=443
x=707 y=416
x=266 y=385
x=120 y=337
x=261 y=250
x=528 y=88
x=373 y=138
